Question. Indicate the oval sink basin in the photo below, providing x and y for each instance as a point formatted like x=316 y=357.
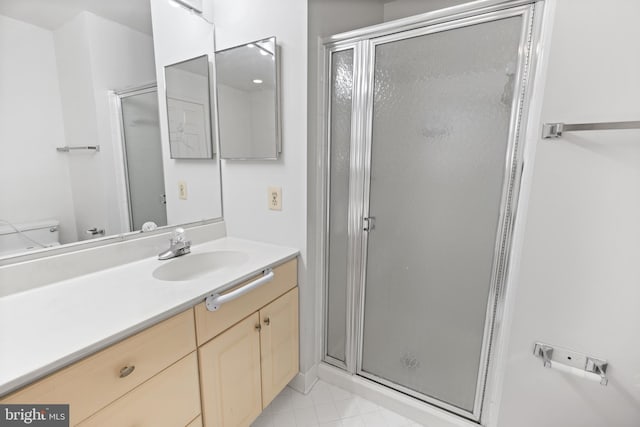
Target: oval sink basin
x=193 y=266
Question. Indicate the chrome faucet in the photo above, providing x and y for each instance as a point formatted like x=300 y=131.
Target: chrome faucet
x=178 y=245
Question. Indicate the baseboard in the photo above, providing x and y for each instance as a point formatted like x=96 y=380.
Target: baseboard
x=303 y=382
x=406 y=406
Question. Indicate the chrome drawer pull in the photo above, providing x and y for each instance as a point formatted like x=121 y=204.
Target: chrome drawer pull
x=267 y=321
x=126 y=371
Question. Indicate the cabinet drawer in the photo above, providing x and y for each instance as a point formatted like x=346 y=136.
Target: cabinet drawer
x=211 y=323
x=98 y=380
x=170 y=399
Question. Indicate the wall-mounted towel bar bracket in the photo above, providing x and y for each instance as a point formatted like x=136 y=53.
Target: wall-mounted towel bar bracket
x=555 y=130
x=68 y=148
x=572 y=362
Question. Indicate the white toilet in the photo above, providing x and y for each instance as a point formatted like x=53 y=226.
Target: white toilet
x=44 y=232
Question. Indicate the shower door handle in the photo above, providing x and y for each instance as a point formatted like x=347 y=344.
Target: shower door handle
x=368 y=223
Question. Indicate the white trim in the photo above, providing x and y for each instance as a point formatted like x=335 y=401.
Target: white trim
x=406 y=406
x=472 y=8
x=532 y=136
x=117 y=137
x=304 y=382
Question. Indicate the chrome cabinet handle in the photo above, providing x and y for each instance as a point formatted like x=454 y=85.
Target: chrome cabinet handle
x=126 y=371
x=267 y=321
x=258 y=327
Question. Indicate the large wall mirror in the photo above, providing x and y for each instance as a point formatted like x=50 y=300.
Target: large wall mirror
x=83 y=122
x=248 y=101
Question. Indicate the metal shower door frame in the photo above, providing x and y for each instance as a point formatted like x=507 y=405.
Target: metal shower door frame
x=119 y=95
x=364 y=43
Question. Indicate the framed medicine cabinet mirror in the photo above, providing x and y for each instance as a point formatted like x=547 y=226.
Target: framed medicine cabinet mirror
x=247 y=82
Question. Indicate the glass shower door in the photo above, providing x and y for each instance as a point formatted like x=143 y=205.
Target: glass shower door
x=143 y=158
x=341 y=104
x=443 y=102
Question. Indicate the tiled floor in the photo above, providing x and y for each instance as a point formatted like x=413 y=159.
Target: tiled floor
x=327 y=406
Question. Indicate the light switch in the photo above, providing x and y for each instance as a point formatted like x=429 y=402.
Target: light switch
x=275 y=198
x=182 y=190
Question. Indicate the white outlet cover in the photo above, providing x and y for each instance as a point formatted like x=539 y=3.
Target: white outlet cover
x=274 y=201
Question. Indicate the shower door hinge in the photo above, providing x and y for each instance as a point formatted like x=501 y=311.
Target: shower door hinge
x=368 y=223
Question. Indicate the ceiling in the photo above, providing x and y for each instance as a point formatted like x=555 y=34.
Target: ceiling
x=51 y=14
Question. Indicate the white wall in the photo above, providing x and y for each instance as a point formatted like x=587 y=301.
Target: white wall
x=120 y=58
x=245 y=182
x=180 y=35
x=578 y=282
x=95 y=55
x=404 y=8
x=31 y=127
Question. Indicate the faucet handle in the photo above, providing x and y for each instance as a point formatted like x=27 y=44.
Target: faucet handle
x=178 y=235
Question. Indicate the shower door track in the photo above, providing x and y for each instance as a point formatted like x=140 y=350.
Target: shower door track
x=363 y=42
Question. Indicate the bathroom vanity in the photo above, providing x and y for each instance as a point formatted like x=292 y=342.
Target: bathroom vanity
x=124 y=347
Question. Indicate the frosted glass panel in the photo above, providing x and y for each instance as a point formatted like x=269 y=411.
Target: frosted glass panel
x=145 y=175
x=442 y=106
x=340 y=138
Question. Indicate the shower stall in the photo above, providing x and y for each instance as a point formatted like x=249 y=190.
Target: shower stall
x=423 y=133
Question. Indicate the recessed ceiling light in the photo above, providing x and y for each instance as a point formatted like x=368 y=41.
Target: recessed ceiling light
x=257 y=81
x=251 y=45
x=263 y=52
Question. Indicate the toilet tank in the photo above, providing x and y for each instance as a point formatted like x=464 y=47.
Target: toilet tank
x=44 y=232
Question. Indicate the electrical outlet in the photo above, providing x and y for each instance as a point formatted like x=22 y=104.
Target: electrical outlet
x=182 y=190
x=275 y=198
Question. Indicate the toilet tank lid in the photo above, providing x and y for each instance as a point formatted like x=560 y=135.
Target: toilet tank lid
x=26 y=226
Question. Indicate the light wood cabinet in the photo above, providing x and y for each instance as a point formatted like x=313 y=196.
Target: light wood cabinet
x=210 y=324
x=170 y=399
x=234 y=360
x=279 y=343
x=245 y=367
x=197 y=422
x=98 y=380
x=230 y=375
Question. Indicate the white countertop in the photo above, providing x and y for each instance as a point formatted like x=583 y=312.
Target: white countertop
x=44 y=329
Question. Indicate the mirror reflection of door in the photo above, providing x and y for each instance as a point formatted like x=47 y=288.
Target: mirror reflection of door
x=143 y=157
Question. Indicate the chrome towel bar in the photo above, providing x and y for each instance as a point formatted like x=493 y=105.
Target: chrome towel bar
x=555 y=130
x=68 y=148
x=214 y=301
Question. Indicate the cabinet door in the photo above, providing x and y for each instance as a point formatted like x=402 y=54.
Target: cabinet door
x=230 y=376
x=279 y=344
